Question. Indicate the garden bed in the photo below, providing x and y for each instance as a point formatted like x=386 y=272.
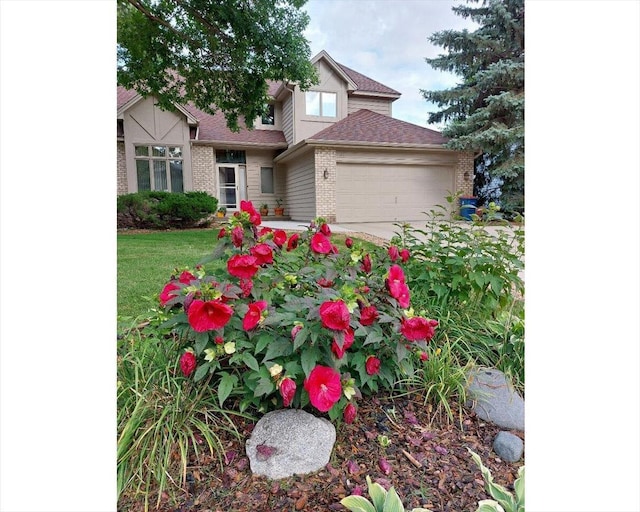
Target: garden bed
x=441 y=477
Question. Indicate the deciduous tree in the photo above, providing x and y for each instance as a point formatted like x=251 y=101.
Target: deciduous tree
x=217 y=54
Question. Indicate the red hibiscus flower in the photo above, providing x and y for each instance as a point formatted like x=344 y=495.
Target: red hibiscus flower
x=186 y=277
x=366 y=264
x=348 y=242
x=368 y=315
x=263 y=254
x=219 y=340
x=210 y=315
x=393 y=253
x=242 y=266
x=287 y=391
x=279 y=237
x=418 y=328
x=325 y=230
x=324 y=387
x=372 y=365
x=222 y=233
x=403 y=296
x=349 y=413
x=264 y=231
x=237 y=235
x=166 y=294
x=324 y=282
x=404 y=255
x=188 y=363
x=246 y=285
x=334 y=315
x=395 y=283
x=253 y=315
x=293 y=241
x=346 y=343
x=254 y=216
x=320 y=244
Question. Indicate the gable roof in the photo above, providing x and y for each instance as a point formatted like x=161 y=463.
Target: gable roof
x=366 y=84
x=365 y=126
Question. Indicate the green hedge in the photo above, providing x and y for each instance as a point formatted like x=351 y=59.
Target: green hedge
x=162 y=210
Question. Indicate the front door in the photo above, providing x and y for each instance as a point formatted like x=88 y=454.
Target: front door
x=232 y=185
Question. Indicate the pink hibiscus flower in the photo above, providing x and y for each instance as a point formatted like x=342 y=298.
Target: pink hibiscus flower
x=324 y=387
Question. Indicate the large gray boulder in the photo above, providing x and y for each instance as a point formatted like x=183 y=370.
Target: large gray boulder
x=494 y=399
x=288 y=442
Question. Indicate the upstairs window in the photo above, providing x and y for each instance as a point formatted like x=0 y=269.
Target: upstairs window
x=269 y=117
x=322 y=104
x=159 y=168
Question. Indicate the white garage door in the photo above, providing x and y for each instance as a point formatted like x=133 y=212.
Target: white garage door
x=387 y=193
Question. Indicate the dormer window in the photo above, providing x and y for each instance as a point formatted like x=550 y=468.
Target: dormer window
x=269 y=117
x=322 y=104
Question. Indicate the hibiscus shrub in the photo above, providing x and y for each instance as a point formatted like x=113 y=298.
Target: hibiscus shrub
x=292 y=321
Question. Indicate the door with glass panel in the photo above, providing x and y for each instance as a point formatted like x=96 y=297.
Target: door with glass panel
x=232 y=185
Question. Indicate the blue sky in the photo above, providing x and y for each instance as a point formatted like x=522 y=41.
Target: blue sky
x=387 y=41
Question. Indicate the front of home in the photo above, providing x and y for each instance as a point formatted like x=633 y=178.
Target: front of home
x=333 y=151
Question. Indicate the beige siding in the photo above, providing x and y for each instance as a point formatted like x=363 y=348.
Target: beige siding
x=392 y=157
x=381 y=106
x=122 y=169
x=287 y=119
x=256 y=160
x=300 y=187
x=144 y=123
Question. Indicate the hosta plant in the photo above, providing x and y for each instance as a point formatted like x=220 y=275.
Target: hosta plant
x=503 y=500
x=381 y=500
x=292 y=321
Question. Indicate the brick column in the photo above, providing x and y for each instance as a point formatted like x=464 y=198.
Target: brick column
x=465 y=164
x=325 y=160
x=203 y=169
x=121 y=162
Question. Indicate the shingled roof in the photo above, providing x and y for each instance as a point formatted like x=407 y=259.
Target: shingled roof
x=371 y=127
x=366 y=84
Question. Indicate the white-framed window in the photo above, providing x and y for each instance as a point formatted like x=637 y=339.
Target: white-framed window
x=322 y=104
x=159 y=168
x=266 y=180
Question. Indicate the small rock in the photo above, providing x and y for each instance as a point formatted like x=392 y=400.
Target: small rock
x=493 y=398
x=508 y=446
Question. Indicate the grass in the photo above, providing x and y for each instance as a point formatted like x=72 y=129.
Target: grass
x=146 y=261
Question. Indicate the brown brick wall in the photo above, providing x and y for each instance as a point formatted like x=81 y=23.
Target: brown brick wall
x=325 y=159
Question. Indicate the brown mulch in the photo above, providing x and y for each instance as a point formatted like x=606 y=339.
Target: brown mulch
x=430 y=466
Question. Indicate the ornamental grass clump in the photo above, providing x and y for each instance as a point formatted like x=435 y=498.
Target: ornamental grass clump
x=292 y=321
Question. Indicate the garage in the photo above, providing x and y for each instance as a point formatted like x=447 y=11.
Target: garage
x=388 y=193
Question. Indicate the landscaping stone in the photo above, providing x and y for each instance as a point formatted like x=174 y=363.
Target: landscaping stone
x=288 y=442
x=508 y=446
x=493 y=398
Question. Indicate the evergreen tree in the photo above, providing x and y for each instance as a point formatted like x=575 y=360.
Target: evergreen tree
x=217 y=54
x=485 y=111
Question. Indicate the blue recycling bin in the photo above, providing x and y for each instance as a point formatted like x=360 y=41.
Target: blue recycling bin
x=468 y=206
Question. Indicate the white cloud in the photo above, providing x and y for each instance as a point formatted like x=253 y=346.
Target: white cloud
x=387 y=40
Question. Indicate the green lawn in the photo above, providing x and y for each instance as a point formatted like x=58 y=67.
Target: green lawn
x=146 y=261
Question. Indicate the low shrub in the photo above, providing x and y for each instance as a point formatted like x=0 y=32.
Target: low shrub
x=461 y=267
x=163 y=210
x=503 y=500
x=292 y=321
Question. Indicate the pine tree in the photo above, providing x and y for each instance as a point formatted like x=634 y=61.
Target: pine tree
x=218 y=54
x=485 y=111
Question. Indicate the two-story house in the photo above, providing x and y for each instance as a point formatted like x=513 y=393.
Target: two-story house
x=333 y=151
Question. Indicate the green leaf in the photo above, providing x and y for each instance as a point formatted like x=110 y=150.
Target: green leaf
x=278 y=348
x=373 y=337
x=250 y=361
x=519 y=489
x=179 y=318
x=263 y=341
x=201 y=339
x=377 y=493
x=226 y=386
x=392 y=502
x=265 y=387
x=357 y=504
x=300 y=338
x=308 y=359
x=201 y=371
x=489 y=506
